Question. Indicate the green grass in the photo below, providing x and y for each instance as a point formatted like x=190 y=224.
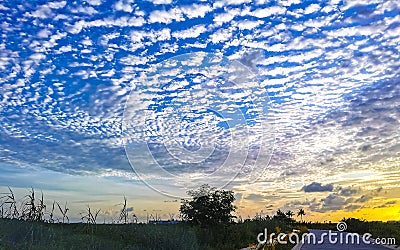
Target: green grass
x=17 y=234
x=26 y=224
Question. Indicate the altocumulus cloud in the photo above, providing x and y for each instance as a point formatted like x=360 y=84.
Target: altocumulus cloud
x=331 y=70
x=317 y=187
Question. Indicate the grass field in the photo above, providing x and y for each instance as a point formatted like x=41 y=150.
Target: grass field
x=16 y=234
x=27 y=225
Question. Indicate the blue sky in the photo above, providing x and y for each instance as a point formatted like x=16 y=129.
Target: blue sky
x=316 y=82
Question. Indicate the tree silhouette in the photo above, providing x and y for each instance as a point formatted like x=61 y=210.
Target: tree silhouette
x=301 y=213
x=208 y=206
x=280 y=215
x=289 y=214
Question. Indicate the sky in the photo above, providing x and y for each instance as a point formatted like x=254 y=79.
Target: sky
x=291 y=104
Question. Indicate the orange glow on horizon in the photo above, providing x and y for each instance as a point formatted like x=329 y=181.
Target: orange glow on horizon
x=384 y=214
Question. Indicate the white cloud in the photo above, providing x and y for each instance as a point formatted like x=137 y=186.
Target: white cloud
x=354 y=31
x=225 y=17
x=64 y=49
x=263 y=13
x=138 y=36
x=133 y=60
x=57 y=5
x=222 y=3
x=221 y=35
x=289 y=2
x=248 y=25
x=2 y=7
x=126 y=22
x=312 y=8
x=192 y=32
x=123 y=21
x=164 y=34
x=196 y=10
x=87 y=42
x=347 y=4
x=44 y=33
x=89 y=10
x=37 y=56
x=167 y=17
x=42 y=12
x=94 y=2
x=161 y=1
x=122 y=5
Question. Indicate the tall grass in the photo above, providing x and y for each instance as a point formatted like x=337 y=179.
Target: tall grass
x=31 y=207
x=63 y=212
x=16 y=234
x=8 y=205
x=27 y=224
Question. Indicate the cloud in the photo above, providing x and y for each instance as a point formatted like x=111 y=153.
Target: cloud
x=364 y=198
x=167 y=17
x=250 y=59
x=263 y=13
x=196 y=10
x=94 y=2
x=317 y=187
x=342 y=198
x=255 y=197
x=352 y=207
x=248 y=25
x=192 y=32
x=123 y=6
x=161 y=1
x=334 y=87
x=226 y=16
x=221 y=36
x=387 y=204
x=331 y=202
x=346 y=191
x=312 y=8
x=222 y=3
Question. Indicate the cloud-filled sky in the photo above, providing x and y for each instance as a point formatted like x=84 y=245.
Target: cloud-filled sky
x=204 y=87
